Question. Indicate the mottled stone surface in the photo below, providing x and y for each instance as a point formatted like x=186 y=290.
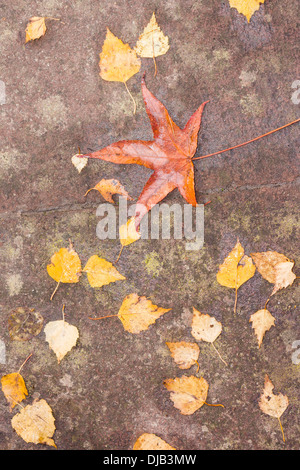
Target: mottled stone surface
x=109 y=389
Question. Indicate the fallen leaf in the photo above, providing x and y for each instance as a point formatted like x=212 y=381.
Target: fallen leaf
x=262 y=321
x=109 y=187
x=79 y=162
x=61 y=336
x=169 y=155
x=14 y=388
x=128 y=233
x=152 y=42
x=275 y=267
x=236 y=269
x=151 y=442
x=65 y=266
x=206 y=328
x=101 y=272
x=273 y=405
x=187 y=393
x=35 y=28
x=24 y=324
x=246 y=7
x=35 y=423
x=118 y=62
x=138 y=313
x=184 y=354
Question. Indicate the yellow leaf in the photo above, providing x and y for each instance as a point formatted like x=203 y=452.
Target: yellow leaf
x=35 y=423
x=246 y=7
x=184 y=354
x=151 y=442
x=262 y=321
x=205 y=327
x=276 y=268
x=187 y=393
x=152 y=42
x=128 y=233
x=138 y=313
x=100 y=272
x=231 y=273
x=79 y=162
x=65 y=266
x=118 y=62
x=14 y=388
x=271 y=404
x=61 y=336
x=109 y=187
x=35 y=28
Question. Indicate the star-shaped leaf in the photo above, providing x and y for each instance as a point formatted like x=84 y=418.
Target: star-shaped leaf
x=169 y=155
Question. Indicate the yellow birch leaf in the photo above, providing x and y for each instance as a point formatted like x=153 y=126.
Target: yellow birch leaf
x=101 y=272
x=236 y=269
x=35 y=423
x=107 y=188
x=276 y=268
x=151 y=442
x=65 y=266
x=271 y=404
x=205 y=327
x=118 y=62
x=152 y=42
x=61 y=336
x=138 y=313
x=187 y=393
x=246 y=7
x=79 y=162
x=35 y=28
x=14 y=388
x=262 y=321
x=184 y=354
x=128 y=233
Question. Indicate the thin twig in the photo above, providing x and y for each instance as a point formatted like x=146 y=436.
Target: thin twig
x=53 y=293
x=134 y=103
x=119 y=254
x=281 y=429
x=24 y=362
x=219 y=354
x=211 y=404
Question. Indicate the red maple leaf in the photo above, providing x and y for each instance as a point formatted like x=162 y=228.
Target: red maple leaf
x=169 y=155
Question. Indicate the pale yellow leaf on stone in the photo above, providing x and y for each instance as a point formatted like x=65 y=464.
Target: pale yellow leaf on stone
x=205 y=327
x=138 y=313
x=35 y=423
x=236 y=269
x=184 y=354
x=79 y=162
x=151 y=442
x=271 y=404
x=187 y=393
x=61 y=336
x=276 y=268
x=101 y=272
x=262 y=321
x=152 y=42
x=246 y=7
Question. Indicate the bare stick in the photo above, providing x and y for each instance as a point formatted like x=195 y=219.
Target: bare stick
x=211 y=404
x=281 y=429
x=219 y=354
x=134 y=103
x=24 y=362
x=53 y=293
x=119 y=254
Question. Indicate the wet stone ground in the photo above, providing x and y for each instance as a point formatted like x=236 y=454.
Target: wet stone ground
x=109 y=389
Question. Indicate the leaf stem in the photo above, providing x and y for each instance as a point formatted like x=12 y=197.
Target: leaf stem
x=119 y=254
x=134 y=103
x=24 y=362
x=211 y=404
x=219 y=354
x=281 y=429
x=248 y=142
x=53 y=293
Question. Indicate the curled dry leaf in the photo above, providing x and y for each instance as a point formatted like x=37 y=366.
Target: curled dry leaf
x=101 y=272
x=246 y=7
x=61 y=336
x=138 y=313
x=262 y=321
x=14 y=388
x=35 y=423
x=275 y=267
x=151 y=442
x=187 y=393
x=184 y=354
x=107 y=188
x=35 y=28
x=79 y=162
x=24 y=323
